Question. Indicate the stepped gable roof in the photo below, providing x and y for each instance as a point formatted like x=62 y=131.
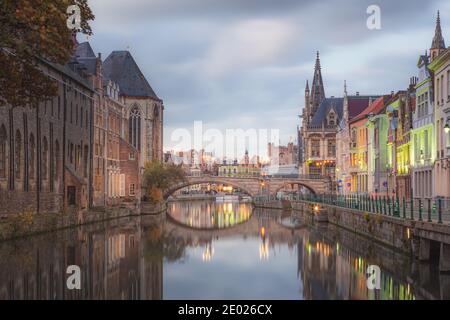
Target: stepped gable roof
x=121 y=68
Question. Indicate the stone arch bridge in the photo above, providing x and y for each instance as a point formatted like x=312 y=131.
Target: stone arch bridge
x=257 y=186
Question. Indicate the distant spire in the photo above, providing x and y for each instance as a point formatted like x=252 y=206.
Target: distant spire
x=317 y=91
x=345 y=87
x=307 y=86
x=438 y=40
x=317 y=61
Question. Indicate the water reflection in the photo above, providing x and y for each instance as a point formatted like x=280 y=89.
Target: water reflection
x=260 y=257
x=210 y=215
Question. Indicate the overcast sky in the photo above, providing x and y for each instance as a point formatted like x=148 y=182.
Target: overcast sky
x=244 y=63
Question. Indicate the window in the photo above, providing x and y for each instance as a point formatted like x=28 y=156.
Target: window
x=18 y=155
x=85 y=161
x=132 y=189
x=353 y=138
x=331 y=148
x=131 y=156
x=315 y=148
x=44 y=161
x=331 y=119
x=3 y=138
x=122 y=185
x=135 y=128
x=438 y=91
x=32 y=156
x=448 y=85
x=57 y=163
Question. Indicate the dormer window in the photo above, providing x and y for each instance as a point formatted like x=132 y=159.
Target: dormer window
x=331 y=120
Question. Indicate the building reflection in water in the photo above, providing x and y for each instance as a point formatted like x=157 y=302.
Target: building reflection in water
x=110 y=258
x=129 y=258
x=210 y=215
x=329 y=271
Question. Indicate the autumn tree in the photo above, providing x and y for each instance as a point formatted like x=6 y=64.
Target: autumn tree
x=31 y=31
x=158 y=177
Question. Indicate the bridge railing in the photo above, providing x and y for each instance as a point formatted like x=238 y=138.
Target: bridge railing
x=431 y=210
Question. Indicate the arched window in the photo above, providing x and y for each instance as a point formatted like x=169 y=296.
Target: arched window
x=3 y=139
x=134 y=124
x=18 y=155
x=44 y=161
x=32 y=156
x=57 y=161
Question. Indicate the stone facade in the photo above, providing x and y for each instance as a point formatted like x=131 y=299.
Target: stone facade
x=282 y=155
x=143 y=108
x=115 y=161
x=45 y=154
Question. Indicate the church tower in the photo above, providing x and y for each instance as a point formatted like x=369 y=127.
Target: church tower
x=306 y=111
x=438 y=44
x=317 y=91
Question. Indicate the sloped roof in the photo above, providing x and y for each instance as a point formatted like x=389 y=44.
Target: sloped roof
x=84 y=50
x=325 y=106
x=357 y=104
x=121 y=68
x=86 y=56
x=375 y=107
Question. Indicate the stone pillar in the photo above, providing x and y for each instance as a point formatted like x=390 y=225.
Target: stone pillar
x=424 y=249
x=444 y=281
x=444 y=258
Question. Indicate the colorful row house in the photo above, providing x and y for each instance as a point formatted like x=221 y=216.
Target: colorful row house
x=399 y=146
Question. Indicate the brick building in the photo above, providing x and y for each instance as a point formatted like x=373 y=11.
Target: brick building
x=115 y=161
x=45 y=154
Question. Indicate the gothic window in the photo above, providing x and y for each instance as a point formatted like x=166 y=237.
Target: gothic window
x=3 y=139
x=32 y=156
x=44 y=161
x=315 y=148
x=135 y=127
x=331 y=148
x=18 y=155
x=331 y=119
x=57 y=165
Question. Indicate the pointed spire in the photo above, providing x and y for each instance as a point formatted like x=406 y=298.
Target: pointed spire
x=438 y=40
x=317 y=90
x=307 y=86
x=345 y=87
x=317 y=62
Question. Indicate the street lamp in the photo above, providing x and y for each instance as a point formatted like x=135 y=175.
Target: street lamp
x=447 y=128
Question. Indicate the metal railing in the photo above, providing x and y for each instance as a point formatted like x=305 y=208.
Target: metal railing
x=430 y=210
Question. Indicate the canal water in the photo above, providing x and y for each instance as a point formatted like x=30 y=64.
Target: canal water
x=209 y=250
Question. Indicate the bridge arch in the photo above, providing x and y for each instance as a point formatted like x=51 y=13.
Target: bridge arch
x=210 y=180
x=299 y=183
